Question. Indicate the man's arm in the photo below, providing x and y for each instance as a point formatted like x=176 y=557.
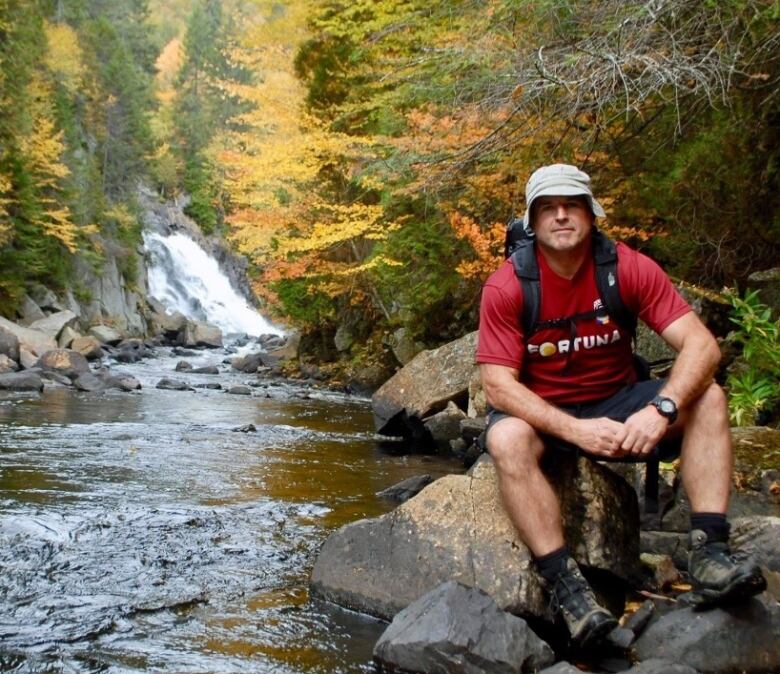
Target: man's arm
x=698 y=356
x=504 y=392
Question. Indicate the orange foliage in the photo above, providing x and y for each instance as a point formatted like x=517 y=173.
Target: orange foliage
x=488 y=245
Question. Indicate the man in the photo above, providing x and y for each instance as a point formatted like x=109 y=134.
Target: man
x=571 y=386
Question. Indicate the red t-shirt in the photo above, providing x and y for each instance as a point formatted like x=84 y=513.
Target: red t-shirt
x=565 y=368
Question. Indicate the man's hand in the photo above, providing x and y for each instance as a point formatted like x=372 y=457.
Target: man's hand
x=644 y=429
x=602 y=436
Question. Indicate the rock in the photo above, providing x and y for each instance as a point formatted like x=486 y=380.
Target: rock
x=173 y=385
x=197 y=333
x=662 y=571
x=270 y=341
x=66 y=337
x=248 y=363
x=54 y=324
x=672 y=544
x=183 y=366
x=246 y=428
x=457 y=529
x=65 y=361
x=477 y=402
x=343 y=339
x=240 y=390
x=289 y=351
x=45 y=298
x=34 y=341
x=210 y=385
x=639 y=619
x=88 y=346
x=561 y=668
x=767 y=282
x=424 y=387
x=445 y=425
x=742 y=638
x=27 y=359
x=404 y=346
x=169 y=325
x=29 y=311
x=184 y=353
x=7 y=365
x=658 y=666
x=89 y=382
x=407 y=488
x=9 y=344
x=455 y=628
x=21 y=381
x=58 y=378
x=758 y=537
x=621 y=638
x=123 y=382
x=105 y=334
x=206 y=369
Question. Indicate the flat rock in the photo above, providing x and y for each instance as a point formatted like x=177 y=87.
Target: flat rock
x=54 y=324
x=21 y=381
x=240 y=390
x=742 y=638
x=457 y=529
x=455 y=628
x=173 y=385
x=424 y=386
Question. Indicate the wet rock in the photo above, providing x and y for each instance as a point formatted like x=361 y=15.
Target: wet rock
x=758 y=537
x=54 y=324
x=66 y=337
x=445 y=425
x=206 y=369
x=128 y=356
x=65 y=361
x=184 y=353
x=123 y=382
x=183 y=366
x=658 y=666
x=173 y=385
x=240 y=390
x=457 y=529
x=7 y=364
x=424 y=387
x=407 y=488
x=34 y=341
x=21 y=381
x=105 y=334
x=210 y=385
x=89 y=382
x=9 y=344
x=246 y=428
x=52 y=376
x=741 y=638
x=197 y=333
x=455 y=628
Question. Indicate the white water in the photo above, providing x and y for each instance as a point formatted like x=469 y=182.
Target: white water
x=185 y=278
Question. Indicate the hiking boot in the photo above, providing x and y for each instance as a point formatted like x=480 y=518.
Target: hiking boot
x=717 y=576
x=573 y=598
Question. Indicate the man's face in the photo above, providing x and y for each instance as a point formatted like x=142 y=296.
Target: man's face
x=561 y=224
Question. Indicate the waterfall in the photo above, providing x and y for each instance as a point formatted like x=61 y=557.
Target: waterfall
x=185 y=278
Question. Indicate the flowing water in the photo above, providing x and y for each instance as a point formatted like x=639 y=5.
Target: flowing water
x=139 y=532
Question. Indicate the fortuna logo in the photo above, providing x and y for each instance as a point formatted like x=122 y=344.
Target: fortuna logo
x=598 y=304
x=547 y=349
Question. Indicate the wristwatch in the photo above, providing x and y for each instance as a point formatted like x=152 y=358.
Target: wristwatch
x=666 y=407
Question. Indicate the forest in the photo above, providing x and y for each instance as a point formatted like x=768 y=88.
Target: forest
x=365 y=156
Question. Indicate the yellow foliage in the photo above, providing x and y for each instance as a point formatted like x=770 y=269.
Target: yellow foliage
x=64 y=56
x=168 y=63
x=6 y=228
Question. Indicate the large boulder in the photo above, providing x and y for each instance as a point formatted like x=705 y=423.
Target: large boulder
x=9 y=344
x=65 y=361
x=88 y=346
x=34 y=341
x=202 y=334
x=457 y=529
x=455 y=628
x=105 y=334
x=54 y=324
x=66 y=337
x=424 y=387
x=29 y=311
x=742 y=638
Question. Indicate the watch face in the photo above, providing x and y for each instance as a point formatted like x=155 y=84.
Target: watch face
x=667 y=406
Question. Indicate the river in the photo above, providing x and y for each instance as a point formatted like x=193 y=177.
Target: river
x=140 y=532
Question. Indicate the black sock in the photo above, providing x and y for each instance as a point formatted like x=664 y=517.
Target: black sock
x=715 y=525
x=553 y=563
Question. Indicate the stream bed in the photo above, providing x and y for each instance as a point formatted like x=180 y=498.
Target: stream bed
x=139 y=532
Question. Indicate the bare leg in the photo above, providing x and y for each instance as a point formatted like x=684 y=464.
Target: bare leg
x=528 y=497
x=707 y=459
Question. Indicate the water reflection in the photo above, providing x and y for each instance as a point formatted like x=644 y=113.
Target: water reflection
x=140 y=533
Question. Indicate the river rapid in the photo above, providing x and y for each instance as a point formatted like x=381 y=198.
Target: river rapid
x=139 y=532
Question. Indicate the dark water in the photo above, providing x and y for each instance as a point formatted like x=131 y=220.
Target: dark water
x=138 y=532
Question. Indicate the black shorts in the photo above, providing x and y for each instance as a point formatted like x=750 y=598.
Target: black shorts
x=619 y=407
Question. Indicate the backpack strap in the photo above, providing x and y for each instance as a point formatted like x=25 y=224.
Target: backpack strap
x=527 y=272
x=605 y=259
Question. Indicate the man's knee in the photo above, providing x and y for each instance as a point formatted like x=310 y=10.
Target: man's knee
x=512 y=442
x=711 y=406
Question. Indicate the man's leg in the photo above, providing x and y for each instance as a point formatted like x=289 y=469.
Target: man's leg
x=532 y=505
x=707 y=464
